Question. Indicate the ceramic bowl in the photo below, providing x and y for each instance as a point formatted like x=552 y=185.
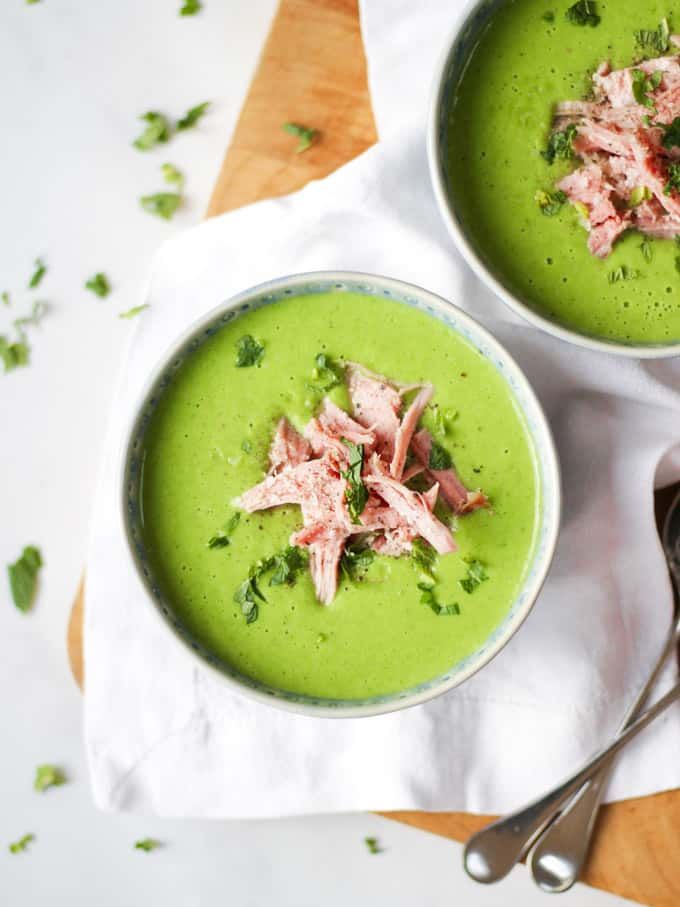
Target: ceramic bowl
x=450 y=68
x=402 y=294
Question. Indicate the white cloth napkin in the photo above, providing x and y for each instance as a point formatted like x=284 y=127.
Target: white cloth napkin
x=164 y=736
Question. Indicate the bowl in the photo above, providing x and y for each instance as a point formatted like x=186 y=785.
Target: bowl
x=131 y=471
x=449 y=70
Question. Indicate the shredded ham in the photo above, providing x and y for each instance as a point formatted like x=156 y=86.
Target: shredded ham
x=310 y=471
x=620 y=144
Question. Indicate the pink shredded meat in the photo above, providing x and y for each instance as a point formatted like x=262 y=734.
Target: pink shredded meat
x=313 y=472
x=624 y=181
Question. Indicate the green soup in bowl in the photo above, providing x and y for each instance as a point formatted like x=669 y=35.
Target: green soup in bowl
x=508 y=65
x=201 y=437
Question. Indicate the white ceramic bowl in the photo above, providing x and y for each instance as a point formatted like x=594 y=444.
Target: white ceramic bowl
x=462 y=324
x=464 y=36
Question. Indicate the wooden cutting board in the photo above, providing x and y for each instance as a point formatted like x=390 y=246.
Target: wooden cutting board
x=313 y=71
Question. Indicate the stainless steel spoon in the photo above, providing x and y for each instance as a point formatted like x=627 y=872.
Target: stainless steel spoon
x=557 y=857
x=491 y=853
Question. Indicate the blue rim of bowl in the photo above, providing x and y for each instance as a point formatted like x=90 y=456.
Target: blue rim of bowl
x=131 y=469
x=452 y=61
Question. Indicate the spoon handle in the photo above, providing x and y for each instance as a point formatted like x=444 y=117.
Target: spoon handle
x=491 y=853
x=557 y=858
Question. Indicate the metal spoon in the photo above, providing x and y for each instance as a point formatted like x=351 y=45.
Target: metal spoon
x=491 y=853
x=558 y=856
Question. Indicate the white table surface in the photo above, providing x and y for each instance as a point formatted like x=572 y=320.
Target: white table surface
x=75 y=77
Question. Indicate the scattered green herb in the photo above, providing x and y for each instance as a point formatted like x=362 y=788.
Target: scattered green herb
x=13 y=354
x=22 y=844
x=47 y=776
x=673 y=182
x=222 y=537
x=356 y=493
x=476 y=575
x=246 y=596
x=303 y=133
x=99 y=285
x=327 y=373
x=439 y=458
x=548 y=16
x=248 y=352
x=550 y=202
x=442 y=418
x=646 y=249
x=190 y=8
x=157 y=131
x=162 y=204
x=356 y=560
x=623 y=273
x=23 y=577
x=38 y=311
x=5 y=298
x=561 y=145
x=671 y=137
x=373 y=845
x=287 y=565
x=134 y=311
x=147 y=844
x=655 y=41
x=172 y=175
x=644 y=85
x=192 y=116
x=38 y=274
x=429 y=598
x=639 y=195
x=246 y=446
x=424 y=557
x=583 y=13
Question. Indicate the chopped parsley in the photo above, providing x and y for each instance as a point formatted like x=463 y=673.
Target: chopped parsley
x=356 y=493
x=192 y=116
x=304 y=134
x=442 y=418
x=38 y=311
x=38 y=274
x=424 y=557
x=99 y=285
x=22 y=844
x=654 y=41
x=646 y=249
x=157 y=131
x=172 y=175
x=671 y=137
x=134 y=311
x=561 y=145
x=248 y=352
x=327 y=373
x=373 y=845
x=285 y=567
x=548 y=16
x=356 y=560
x=439 y=458
x=644 y=85
x=246 y=596
x=639 y=195
x=673 y=182
x=583 y=13
x=47 y=776
x=246 y=446
x=5 y=298
x=222 y=537
x=147 y=844
x=623 y=273
x=162 y=204
x=550 y=202
x=23 y=577
x=190 y=8
x=476 y=575
x=428 y=597
x=13 y=354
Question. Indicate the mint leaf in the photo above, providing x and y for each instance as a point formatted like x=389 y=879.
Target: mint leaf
x=192 y=116
x=424 y=557
x=671 y=137
x=157 y=131
x=550 y=202
x=172 y=175
x=13 y=354
x=303 y=133
x=327 y=373
x=147 y=844
x=561 y=145
x=47 y=776
x=99 y=285
x=439 y=458
x=38 y=274
x=190 y=8
x=583 y=13
x=222 y=537
x=429 y=598
x=23 y=577
x=134 y=311
x=356 y=493
x=356 y=559
x=248 y=352
x=476 y=575
x=373 y=845
x=287 y=565
x=644 y=85
x=162 y=204
x=22 y=844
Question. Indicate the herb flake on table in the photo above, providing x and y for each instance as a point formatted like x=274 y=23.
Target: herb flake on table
x=192 y=116
x=356 y=493
x=172 y=175
x=304 y=134
x=190 y=8
x=222 y=537
x=23 y=577
x=22 y=844
x=653 y=42
x=147 y=844
x=38 y=273
x=161 y=204
x=157 y=131
x=550 y=203
x=14 y=354
x=134 y=311
x=99 y=285
x=560 y=145
x=476 y=575
x=47 y=776
x=373 y=845
x=583 y=13
x=248 y=352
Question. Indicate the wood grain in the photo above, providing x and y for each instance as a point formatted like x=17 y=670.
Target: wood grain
x=313 y=71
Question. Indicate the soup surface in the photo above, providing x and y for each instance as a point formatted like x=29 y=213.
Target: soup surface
x=208 y=441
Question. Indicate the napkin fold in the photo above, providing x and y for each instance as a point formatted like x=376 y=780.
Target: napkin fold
x=164 y=736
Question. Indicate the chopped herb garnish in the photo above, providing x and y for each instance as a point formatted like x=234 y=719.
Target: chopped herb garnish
x=47 y=776
x=429 y=598
x=157 y=131
x=327 y=373
x=5 y=298
x=548 y=16
x=673 y=183
x=550 y=202
x=287 y=565
x=190 y=8
x=303 y=133
x=99 y=285
x=439 y=458
x=373 y=845
x=13 y=354
x=655 y=41
x=147 y=844
x=677 y=263
x=246 y=596
x=192 y=116
x=424 y=557
x=248 y=352
x=442 y=418
x=162 y=204
x=356 y=493
x=644 y=85
x=561 y=145
x=38 y=274
x=583 y=13
x=222 y=537
x=646 y=249
x=246 y=446
x=356 y=560
x=22 y=844
x=476 y=575
x=639 y=195
x=23 y=577
x=134 y=311
x=623 y=273
x=38 y=312
x=172 y=175
x=671 y=137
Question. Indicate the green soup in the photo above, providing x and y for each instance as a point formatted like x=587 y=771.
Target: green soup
x=207 y=442
x=500 y=122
